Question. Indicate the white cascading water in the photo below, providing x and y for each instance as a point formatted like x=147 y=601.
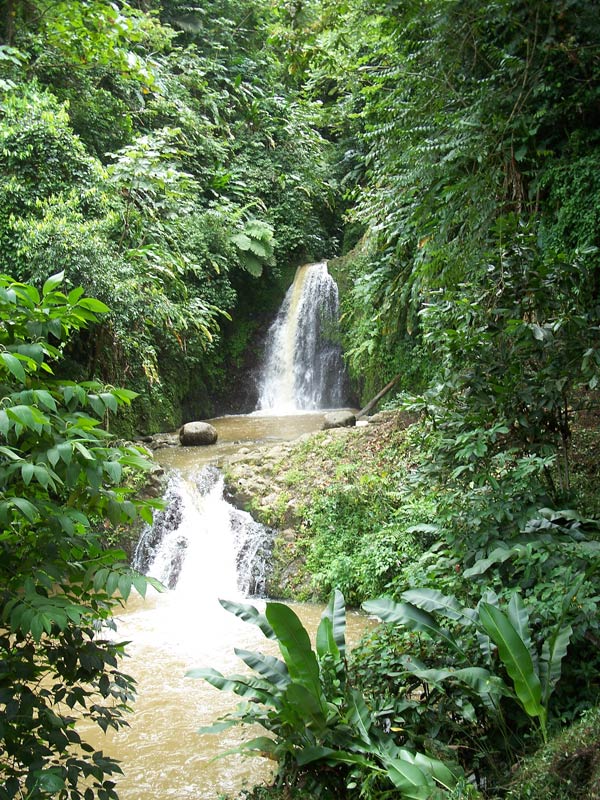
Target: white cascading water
x=201 y=545
x=202 y=549
x=303 y=367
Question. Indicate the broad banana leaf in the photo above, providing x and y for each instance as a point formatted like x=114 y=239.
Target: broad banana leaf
x=325 y=642
x=296 y=650
x=554 y=650
x=245 y=686
x=261 y=746
x=306 y=712
x=219 y=727
x=434 y=601
x=412 y=782
x=415 y=619
x=360 y=717
x=441 y=772
x=516 y=658
x=271 y=668
x=319 y=753
x=336 y=612
x=497 y=556
x=489 y=688
x=249 y=614
x=519 y=616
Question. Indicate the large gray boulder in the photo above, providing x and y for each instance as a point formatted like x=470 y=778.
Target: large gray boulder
x=339 y=419
x=197 y=433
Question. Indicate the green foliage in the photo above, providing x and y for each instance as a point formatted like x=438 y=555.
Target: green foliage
x=464 y=114
x=482 y=670
x=39 y=157
x=512 y=357
x=60 y=586
x=359 y=536
x=323 y=734
x=255 y=245
x=79 y=34
x=176 y=174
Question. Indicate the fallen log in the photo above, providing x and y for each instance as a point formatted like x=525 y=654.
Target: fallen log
x=372 y=403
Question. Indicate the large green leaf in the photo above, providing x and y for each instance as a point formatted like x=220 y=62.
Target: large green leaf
x=359 y=716
x=554 y=650
x=432 y=600
x=336 y=612
x=497 y=556
x=14 y=365
x=305 y=711
x=250 y=614
x=295 y=647
x=242 y=241
x=413 y=618
x=410 y=779
x=260 y=746
x=442 y=773
x=242 y=685
x=49 y=780
x=52 y=282
x=28 y=416
x=489 y=688
x=555 y=647
x=309 y=755
x=218 y=727
x=516 y=658
x=519 y=616
x=271 y=668
x=260 y=249
x=251 y=264
x=325 y=640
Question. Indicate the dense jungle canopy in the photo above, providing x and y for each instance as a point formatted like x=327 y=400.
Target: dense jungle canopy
x=174 y=159
x=164 y=167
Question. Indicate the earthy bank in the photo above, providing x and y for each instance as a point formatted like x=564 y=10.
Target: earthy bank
x=324 y=486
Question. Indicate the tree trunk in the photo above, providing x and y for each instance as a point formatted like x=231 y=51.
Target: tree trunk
x=7 y=32
x=372 y=403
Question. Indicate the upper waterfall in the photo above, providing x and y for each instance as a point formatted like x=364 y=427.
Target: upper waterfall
x=303 y=367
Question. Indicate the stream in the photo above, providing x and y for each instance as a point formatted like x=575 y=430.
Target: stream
x=160 y=752
x=204 y=549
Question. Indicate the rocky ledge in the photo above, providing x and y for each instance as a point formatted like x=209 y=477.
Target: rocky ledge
x=276 y=482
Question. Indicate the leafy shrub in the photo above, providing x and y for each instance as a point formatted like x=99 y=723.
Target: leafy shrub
x=365 y=533
x=60 y=586
x=484 y=683
x=324 y=736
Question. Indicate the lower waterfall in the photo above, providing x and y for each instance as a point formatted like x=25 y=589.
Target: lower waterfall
x=202 y=543
x=205 y=549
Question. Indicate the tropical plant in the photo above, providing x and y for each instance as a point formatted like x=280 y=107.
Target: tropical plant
x=322 y=732
x=486 y=672
x=254 y=242
x=62 y=490
x=133 y=153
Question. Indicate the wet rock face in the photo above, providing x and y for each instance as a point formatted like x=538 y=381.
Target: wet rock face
x=253 y=544
x=166 y=520
x=157 y=441
x=194 y=434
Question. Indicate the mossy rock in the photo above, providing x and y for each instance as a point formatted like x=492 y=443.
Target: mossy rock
x=567 y=768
